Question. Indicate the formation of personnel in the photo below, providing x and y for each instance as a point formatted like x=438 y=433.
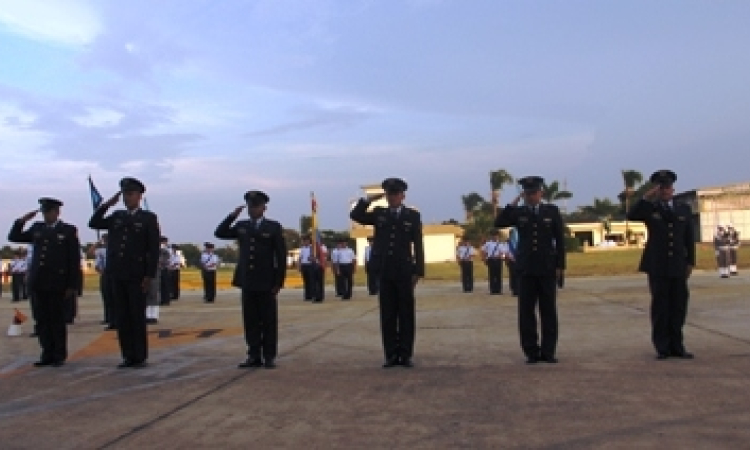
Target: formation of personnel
x=726 y=245
x=130 y=259
x=343 y=262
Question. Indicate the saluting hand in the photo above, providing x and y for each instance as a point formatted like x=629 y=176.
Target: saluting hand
x=238 y=210
x=651 y=193
x=113 y=200
x=376 y=197
x=30 y=215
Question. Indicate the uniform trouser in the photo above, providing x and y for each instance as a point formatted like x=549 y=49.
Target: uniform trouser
x=373 y=281
x=130 y=308
x=338 y=281
x=260 y=317
x=542 y=291
x=495 y=275
x=18 y=285
x=397 y=315
x=319 y=282
x=50 y=324
x=669 y=301
x=346 y=273
x=722 y=261
x=209 y=284
x=308 y=290
x=733 y=259
x=175 y=288
x=166 y=286
x=512 y=276
x=105 y=287
x=467 y=275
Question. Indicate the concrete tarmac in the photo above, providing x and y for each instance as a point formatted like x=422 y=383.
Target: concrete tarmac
x=470 y=387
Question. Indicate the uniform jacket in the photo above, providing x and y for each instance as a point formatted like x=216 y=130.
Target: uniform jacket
x=56 y=260
x=262 y=259
x=671 y=244
x=397 y=241
x=541 y=238
x=133 y=244
x=734 y=238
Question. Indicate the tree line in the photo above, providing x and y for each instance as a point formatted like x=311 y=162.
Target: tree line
x=480 y=212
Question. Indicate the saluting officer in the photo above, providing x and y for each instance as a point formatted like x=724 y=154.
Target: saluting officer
x=55 y=270
x=540 y=262
x=465 y=258
x=209 y=264
x=260 y=273
x=398 y=229
x=132 y=262
x=668 y=260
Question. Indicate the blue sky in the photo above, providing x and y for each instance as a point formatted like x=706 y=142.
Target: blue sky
x=204 y=100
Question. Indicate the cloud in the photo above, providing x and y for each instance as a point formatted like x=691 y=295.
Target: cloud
x=66 y=22
x=336 y=117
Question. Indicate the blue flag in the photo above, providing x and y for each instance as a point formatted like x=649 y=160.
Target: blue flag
x=96 y=197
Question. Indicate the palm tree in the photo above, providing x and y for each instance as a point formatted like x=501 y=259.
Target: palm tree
x=552 y=193
x=472 y=202
x=631 y=178
x=601 y=208
x=498 y=179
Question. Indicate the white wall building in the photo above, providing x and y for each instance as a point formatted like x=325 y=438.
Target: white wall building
x=721 y=205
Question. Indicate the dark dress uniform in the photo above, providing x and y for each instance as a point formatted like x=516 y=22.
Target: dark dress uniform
x=394 y=263
x=55 y=271
x=669 y=251
x=132 y=255
x=260 y=273
x=541 y=252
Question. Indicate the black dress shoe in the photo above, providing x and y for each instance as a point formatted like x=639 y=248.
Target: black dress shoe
x=662 y=356
x=548 y=359
x=683 y=354
x=406 y=362
x=138 y=364
x=58 y=363
x=110 y=328
x=532 y=359
x=256 y=362
x=269 y=364
x=43 y=363
x=391 y=362
x=125 y=364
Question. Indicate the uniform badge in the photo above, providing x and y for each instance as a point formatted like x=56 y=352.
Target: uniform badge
x=37 y=235
x=547 y=219
x=61 y=236
x=138 y=224
x=266 y=235
x=408 y=224
x=241 y=230
x=656 y=215
x=681 y=218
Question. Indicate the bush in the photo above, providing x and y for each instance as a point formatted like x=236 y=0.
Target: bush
x=573 y=245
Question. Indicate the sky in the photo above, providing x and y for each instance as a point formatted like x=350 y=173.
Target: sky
x=205 y=100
